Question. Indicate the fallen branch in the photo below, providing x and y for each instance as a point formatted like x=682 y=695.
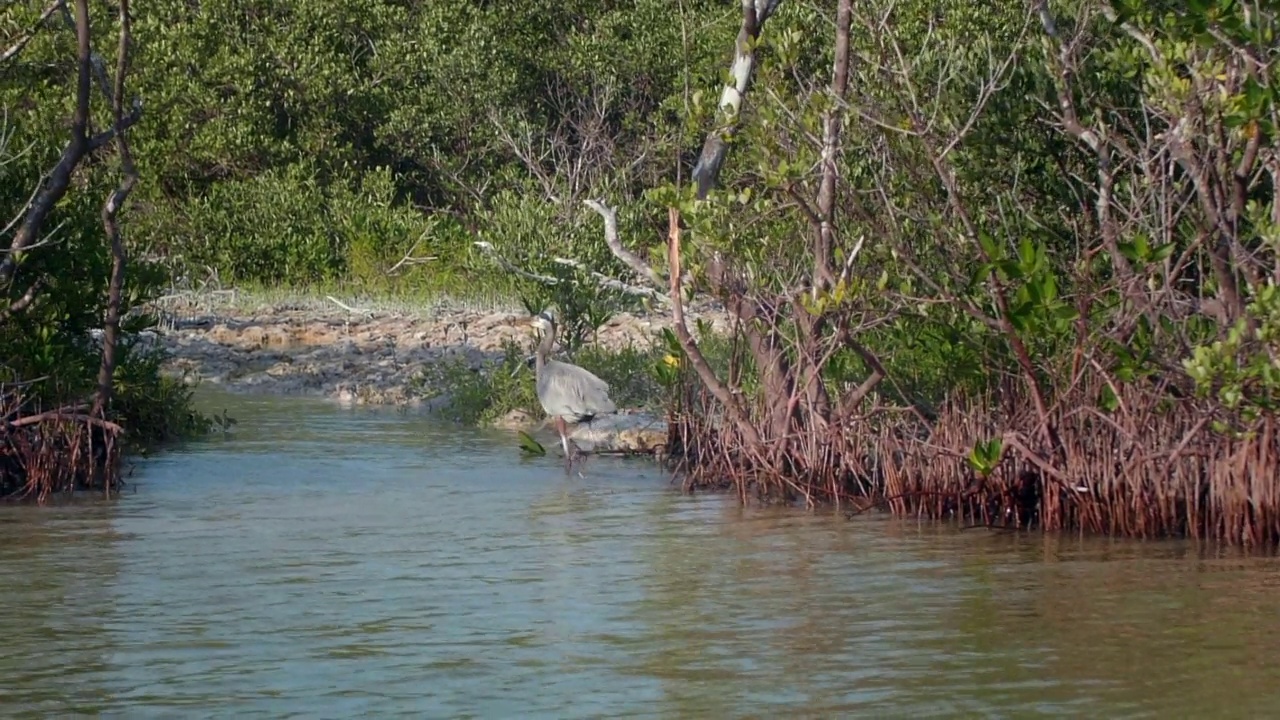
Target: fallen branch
x=600 y=278
x=633 y=261
x=506 y=265
x=613 y=283
x=348 y=308
x=53 y=415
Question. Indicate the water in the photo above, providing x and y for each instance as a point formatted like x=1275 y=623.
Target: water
x=328 y=563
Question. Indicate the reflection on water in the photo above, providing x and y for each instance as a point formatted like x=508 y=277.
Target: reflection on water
x=333 y=563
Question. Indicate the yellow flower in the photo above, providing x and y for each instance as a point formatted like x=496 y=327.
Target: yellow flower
x=671 y=360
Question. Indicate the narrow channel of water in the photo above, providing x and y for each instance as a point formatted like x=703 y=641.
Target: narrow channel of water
x=320 y=562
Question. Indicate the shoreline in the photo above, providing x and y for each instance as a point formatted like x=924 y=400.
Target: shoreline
x=336 y=349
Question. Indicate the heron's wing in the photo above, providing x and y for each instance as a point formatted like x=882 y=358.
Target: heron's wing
x=576 y=390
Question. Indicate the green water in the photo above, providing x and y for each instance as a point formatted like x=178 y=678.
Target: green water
x=321 y=562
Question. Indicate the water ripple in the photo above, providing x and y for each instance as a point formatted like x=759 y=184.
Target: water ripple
x=326 y=563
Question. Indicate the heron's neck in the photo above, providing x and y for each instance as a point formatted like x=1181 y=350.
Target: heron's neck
x=544 y=349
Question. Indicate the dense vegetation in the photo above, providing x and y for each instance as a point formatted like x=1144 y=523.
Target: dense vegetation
x=1011 y=262
x=77 y=383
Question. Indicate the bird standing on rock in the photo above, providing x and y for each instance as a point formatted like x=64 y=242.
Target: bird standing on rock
x=568 y=393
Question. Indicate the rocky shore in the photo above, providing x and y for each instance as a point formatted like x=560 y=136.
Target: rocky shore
x=339 y=350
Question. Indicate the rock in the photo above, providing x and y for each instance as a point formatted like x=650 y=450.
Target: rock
x=514 y=420
x=628 y=432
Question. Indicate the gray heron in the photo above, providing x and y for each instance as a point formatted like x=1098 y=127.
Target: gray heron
x=567 y=392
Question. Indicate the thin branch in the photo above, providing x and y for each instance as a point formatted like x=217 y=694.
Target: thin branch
x=115 y=201
x=22 y=41
x=23 y=302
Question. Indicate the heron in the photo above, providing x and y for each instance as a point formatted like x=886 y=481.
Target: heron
x=567 y=392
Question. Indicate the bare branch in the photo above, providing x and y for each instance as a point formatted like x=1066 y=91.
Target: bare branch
x=633 y=261
x=612 y=283
x=731 y=402
x=21 y=42
x=23 y=302
x=492 y=252
x=409 y=260
x=116 y=200
x=600 y=278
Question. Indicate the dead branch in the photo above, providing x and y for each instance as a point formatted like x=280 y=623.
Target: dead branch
x=600 y=278
x=409 y=260
x=612 y=283
x=507 y=265
x=633 y=261
x=731 y=401
x=65 y=416
x=24 y=302
x=348 y=308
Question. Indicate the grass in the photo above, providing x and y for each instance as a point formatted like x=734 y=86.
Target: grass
x=414 y=301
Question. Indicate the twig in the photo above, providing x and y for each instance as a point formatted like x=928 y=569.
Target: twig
x=348 y=308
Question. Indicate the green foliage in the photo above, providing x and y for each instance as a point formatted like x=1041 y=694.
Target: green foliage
x=1242 y=371
x=985 y=456
x=326 y=139
x=529 y=445
x=48 y=347
x=538 y=237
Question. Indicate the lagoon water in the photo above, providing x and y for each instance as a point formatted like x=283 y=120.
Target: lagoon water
x=322 y=562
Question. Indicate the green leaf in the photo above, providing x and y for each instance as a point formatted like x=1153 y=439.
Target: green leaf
x=1109 y=401
x=529 y=445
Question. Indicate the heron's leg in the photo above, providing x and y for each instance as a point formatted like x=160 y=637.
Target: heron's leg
x=564 y=439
